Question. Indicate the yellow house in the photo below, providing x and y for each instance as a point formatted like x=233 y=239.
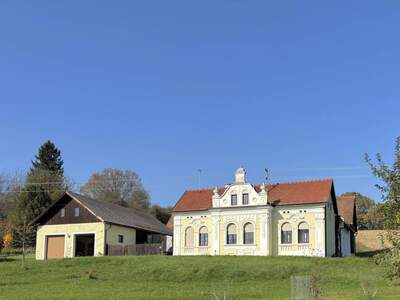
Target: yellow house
x=299 y=218
x=77 y=225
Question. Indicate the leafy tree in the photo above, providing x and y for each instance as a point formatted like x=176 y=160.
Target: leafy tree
x=9 y=185
x=161 y=213
x=390 y=189
x=117 y=186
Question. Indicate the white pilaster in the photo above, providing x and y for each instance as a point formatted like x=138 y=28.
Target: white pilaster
x=215 y=233
x=177 y=236
x=320 y=234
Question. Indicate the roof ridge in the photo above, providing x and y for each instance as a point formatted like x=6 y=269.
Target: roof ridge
x=259 y=184
x=303 y=181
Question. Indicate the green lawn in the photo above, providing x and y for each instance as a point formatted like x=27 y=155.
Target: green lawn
x=161 y=277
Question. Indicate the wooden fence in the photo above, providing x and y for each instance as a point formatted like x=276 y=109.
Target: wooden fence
x=138 y=249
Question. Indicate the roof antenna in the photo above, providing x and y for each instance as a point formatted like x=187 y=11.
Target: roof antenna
x=266 y=175
x=199 y=177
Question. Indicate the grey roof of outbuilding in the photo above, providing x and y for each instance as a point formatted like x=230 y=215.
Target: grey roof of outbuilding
x=115 y=214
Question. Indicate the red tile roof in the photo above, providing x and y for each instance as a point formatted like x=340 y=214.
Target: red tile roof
x=315 y=191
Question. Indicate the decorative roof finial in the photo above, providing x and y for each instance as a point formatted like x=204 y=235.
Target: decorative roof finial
x=240 y=175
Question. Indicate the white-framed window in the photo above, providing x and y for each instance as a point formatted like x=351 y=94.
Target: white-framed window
x=286 y=233
x=303 y=233
x=233 y=199
x=245 y=199
x=76 y=212
x=231 y=234
x=203 y=236
x=248 y=233
x=189 y=237
x=62 y=212
x=120 y=238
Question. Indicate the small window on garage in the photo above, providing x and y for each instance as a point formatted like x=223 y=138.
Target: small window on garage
x=76 y=212
x=62 y=212
x=120 y=238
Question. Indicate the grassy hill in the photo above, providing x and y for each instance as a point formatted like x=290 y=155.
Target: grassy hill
x=160 y=277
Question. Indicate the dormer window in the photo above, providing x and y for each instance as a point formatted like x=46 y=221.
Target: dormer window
x=62 y=212
x=234 y=199
x=76 y=212
x=245 y=199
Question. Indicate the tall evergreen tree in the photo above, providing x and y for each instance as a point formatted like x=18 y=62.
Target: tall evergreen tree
x=48 y=159
x=44 y=184
x=47 y=170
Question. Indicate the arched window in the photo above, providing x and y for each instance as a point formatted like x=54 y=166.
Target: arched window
x=231 y=234
x=303 y=233
x=203 y=236
x=189 y=235
x=248 y=233
x=286 y=233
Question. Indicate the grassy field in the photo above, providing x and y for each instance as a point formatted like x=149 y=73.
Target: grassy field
x=161 y=277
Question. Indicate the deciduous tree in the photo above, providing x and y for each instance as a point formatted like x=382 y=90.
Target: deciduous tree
x=389 y=186
x=117 y=186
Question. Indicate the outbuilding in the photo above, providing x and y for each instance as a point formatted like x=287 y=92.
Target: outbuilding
x=348 y=224
x=77 y=225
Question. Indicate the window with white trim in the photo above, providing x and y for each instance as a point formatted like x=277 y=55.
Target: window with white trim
x=231 y=234
x=248 y=233
x=233 y=199
x=76 y=212
x=245 y=199
x=286 y=233
x=203 y=236
x=62 y=212
x=303 y=233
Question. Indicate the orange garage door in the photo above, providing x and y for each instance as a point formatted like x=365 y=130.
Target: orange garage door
x=55 y=246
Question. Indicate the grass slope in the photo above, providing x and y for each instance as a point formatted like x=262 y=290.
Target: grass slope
x=161 y=277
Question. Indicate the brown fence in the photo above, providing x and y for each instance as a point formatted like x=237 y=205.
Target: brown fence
x=138 y=249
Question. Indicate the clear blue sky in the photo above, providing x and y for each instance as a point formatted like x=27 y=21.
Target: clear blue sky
x=163 y=88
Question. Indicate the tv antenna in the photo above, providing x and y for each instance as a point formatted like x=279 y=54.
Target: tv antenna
x=266 y=174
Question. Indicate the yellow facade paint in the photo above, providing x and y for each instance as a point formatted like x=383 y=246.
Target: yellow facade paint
x=113 y=231
x=69 y=230
x=267 y=221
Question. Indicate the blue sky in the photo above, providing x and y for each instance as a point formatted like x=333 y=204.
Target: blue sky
x=164 y=88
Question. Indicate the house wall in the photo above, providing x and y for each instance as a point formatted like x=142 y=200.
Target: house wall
x=267 y=222
x=68 y=230
x=313 y=215
x=112 y=232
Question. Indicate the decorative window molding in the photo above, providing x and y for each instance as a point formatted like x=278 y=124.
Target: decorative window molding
x=189 y=237
x=248 y=233
x=203 y=236
x=303 y=233
x=286 y=233
x=231 y=234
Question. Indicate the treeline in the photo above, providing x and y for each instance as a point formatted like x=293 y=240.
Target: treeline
x=24 y=197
